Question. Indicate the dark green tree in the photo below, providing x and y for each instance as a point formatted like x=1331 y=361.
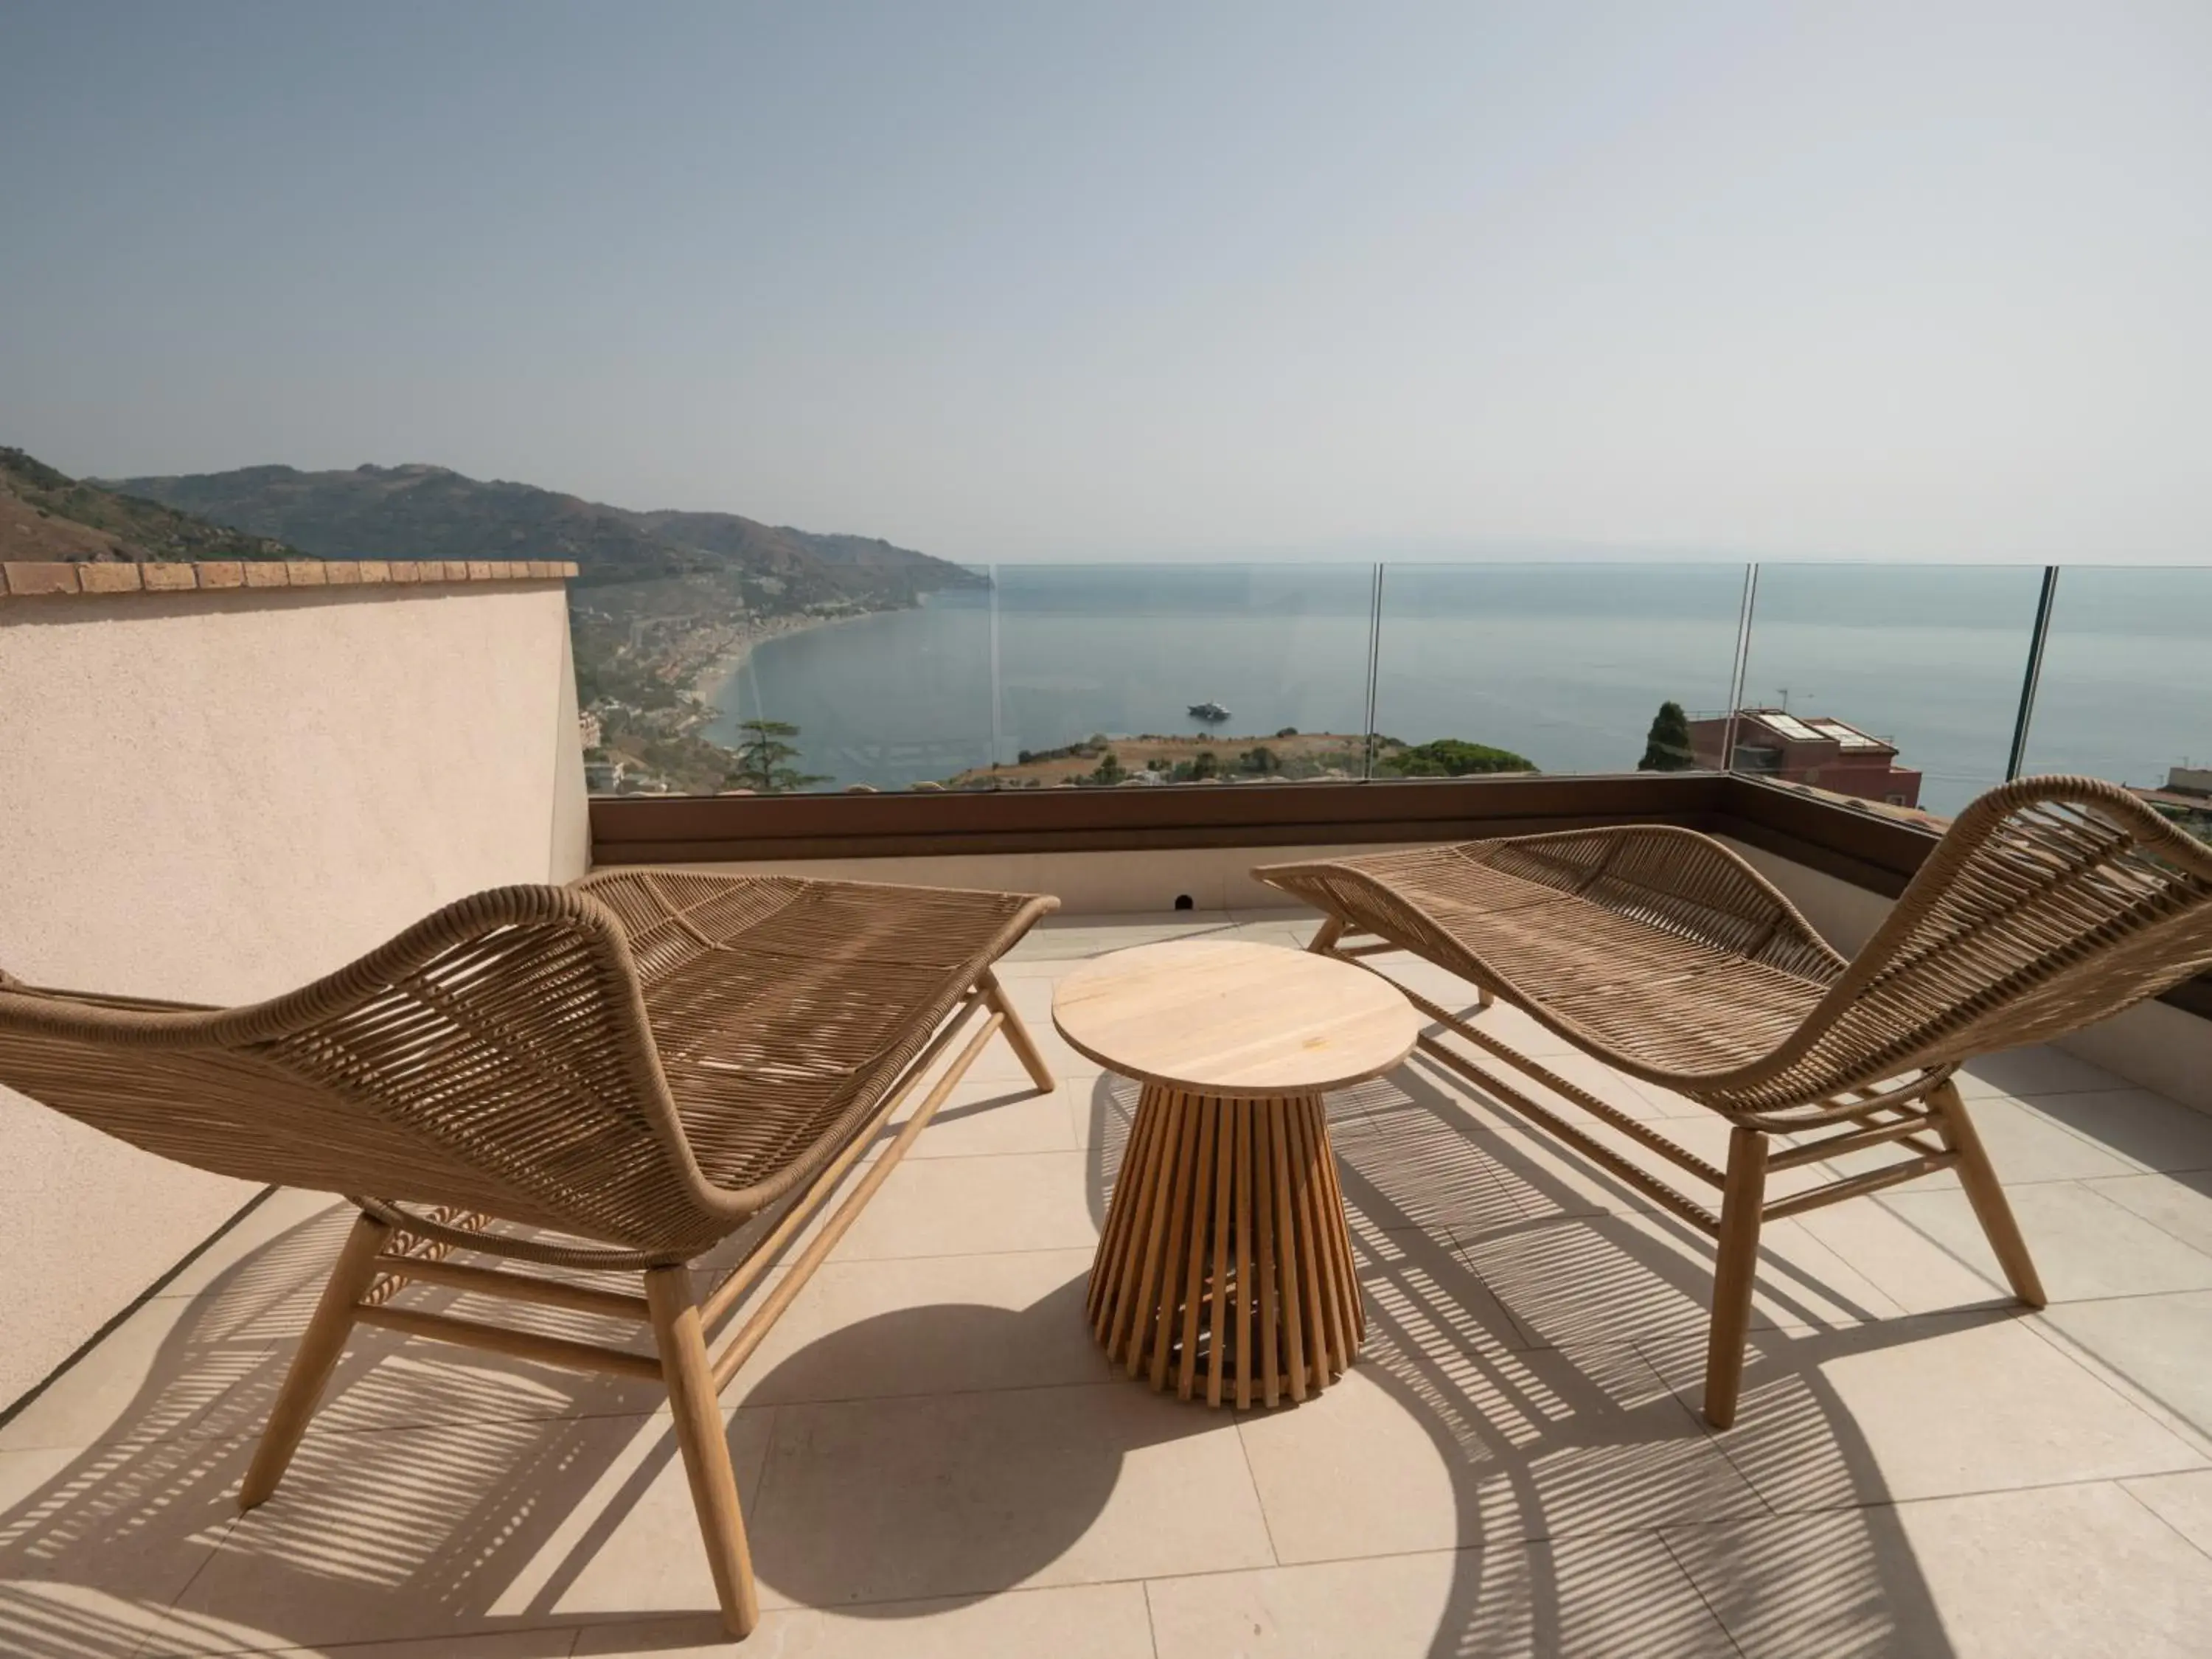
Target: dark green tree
x=763 y=759
x=1451 y=757
x=1666 y=745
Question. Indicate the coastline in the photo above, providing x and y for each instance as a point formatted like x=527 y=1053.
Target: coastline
x=711 y=680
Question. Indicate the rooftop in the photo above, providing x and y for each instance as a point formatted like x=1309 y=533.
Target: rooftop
x=935 y=1459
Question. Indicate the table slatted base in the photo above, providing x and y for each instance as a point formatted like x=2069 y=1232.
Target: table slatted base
x=1226 y=1265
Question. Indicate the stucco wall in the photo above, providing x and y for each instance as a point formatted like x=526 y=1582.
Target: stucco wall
x=213 y=796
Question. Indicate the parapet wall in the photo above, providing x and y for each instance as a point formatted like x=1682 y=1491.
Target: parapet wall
x=217 y=781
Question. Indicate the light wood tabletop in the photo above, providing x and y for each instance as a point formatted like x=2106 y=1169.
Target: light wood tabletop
x=1233 y=1019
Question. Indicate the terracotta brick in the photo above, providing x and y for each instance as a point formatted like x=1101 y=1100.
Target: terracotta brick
x=479 y=570
x=170 y=578
x=456 y=570
x=373 y=570
x=221 y=573
x=306 y=572
x=568 y=568
x=406 y=570
x=541 y=568
x=108 y=578
x=340 y=573
x=24 y=579
x=267 y=573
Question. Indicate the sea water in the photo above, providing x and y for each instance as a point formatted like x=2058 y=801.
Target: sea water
x=1564 y=662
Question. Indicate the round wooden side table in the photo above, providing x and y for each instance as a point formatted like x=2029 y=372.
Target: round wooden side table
x=1225 y=1256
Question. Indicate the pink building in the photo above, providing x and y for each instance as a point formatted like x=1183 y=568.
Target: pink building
x=1810 y=749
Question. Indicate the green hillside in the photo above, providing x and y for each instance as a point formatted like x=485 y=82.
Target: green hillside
x=46 y=514
x=432 y=511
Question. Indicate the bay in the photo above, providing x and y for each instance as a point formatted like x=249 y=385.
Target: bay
x=1562 y=663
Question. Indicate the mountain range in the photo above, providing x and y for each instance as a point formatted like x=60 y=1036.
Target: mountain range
x=433 y=512
x=47 y=516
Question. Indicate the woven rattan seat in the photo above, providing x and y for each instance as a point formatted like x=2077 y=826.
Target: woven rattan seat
x=2050 y=902
x=617 y=1075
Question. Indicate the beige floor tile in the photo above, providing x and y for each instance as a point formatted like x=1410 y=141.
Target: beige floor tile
x=1419 y=1294
x=2039 y=1069
x=1104 y=1107
x=988 y=1117
x=553 y=1643
x=1444 y=1439
x=1646 y=1277
x=1929 y=1406
x=2024 y=1146
x=2160 y=1344
x=1031 y=1000
x=2143 y=1128
x=451 y=1532
x=977 y=1206
x=1064 y=938
x=1301 y=922
x=2178 y=1204
x=2084 y=1246
x=2079 y=1571
x=2184 y=1502
x=1291 y=935
x=1409 y=1156
x=168 y=1372
x=289 y=1222
x=1570 y=1597
x=1075 y=1621
x=939 y=1325
x=1552 y=1178
x=95 y=1543
x=970 y=1494
x=1911 y=1269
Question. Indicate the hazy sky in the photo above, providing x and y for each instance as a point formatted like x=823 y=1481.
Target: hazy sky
x=1048 y=279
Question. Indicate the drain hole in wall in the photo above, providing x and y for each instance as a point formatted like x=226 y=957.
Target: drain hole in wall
x=1183 y=902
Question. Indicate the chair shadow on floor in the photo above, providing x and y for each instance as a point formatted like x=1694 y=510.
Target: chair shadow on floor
x=1550 y=1353
x=442 y=1494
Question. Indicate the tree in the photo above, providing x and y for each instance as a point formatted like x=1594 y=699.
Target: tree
x=763 y=756
x=1260 y=760
x=1451 y=757
x=1667 y=746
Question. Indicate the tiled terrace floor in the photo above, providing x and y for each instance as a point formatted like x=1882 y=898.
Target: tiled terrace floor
x=936 y=1460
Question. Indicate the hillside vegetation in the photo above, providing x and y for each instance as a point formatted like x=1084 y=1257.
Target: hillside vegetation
x=434 y=513
x=46 y=514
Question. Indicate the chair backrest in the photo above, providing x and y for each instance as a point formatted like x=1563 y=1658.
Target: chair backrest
x=494 y=1056
x=2050 y=903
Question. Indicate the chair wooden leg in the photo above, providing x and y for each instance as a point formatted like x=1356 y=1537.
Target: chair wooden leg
x=320 y=1347
x=1742 y=1205
x=1984 y=1192
x=1324 y=940
x=704 y=1442
x=1017 y=1035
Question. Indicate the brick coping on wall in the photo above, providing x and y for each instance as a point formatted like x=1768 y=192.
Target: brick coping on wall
x=42 y=580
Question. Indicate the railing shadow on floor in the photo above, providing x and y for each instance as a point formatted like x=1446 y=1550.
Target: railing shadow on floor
x=439 y=1492
x=1534 y=1337
x=447 y=1493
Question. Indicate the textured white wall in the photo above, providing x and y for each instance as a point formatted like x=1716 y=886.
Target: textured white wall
x=214 y=797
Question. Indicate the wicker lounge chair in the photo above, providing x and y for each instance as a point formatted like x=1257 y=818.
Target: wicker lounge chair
x=2051 y=902
x=633 y=1069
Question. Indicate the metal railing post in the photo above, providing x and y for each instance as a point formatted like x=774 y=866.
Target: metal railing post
x=2036 y=641
x=1742 y=661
